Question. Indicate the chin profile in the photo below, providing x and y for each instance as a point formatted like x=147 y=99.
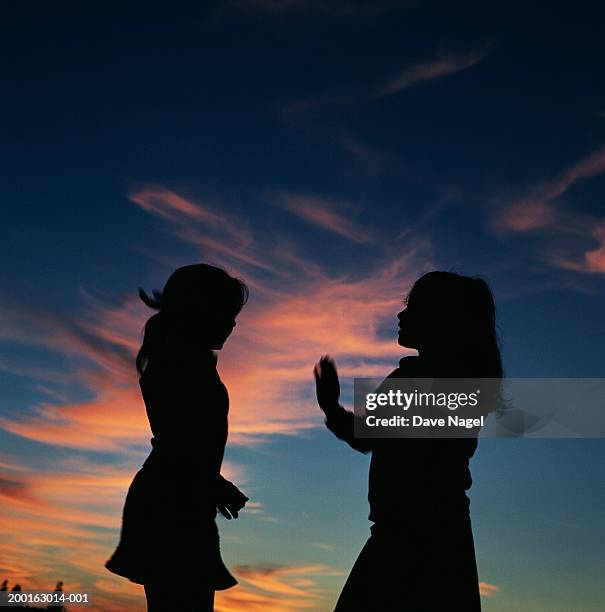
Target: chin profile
x=406 y=343
x=218 y=344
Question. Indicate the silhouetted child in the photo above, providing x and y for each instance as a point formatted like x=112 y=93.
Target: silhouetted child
x=169 y=534
x=420 y=556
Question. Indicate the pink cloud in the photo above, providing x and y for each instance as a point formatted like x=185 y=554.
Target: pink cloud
x=275 y=588
x=592 y=261
x=443 y=65
x=487 y=590
x=536 y=209
x=323 y=213
x=526 y=216
x=539 y=210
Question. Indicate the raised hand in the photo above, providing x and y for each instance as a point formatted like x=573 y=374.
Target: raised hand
x=327 y=385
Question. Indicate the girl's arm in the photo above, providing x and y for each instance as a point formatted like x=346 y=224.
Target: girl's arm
x=339 y=421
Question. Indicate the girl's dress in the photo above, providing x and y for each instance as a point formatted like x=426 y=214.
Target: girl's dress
x=168 y=522
x=420 y=556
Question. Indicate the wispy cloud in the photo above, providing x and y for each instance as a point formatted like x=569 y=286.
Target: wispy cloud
x=179 y=210
x=410 y=75
x=537 y=209
x=591 y=261
x=325 y=214
x=422 y=72
x=487 y=590
x=540 y=210
x=268 y=588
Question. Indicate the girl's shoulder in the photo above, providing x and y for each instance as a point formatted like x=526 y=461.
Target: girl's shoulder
x=408 y=366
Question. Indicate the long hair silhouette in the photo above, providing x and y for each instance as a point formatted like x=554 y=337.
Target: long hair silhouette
x=420 y=555
x=168 y=533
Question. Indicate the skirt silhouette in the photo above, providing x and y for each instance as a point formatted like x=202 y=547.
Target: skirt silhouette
x=169 y=533
x=425 y=563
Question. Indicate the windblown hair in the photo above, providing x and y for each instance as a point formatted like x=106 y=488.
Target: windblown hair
x=195 y=289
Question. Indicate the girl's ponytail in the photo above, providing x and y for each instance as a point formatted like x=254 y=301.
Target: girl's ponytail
x=154 y=331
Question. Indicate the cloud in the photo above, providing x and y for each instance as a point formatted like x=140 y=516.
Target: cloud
x=539 y=210
x=59 y=508
x=592 y=261
x=422 y=72
x=409 y=76
x=323 y=546
x=526 y=216
x=15 y=489
x=176 y=209
x=487 y=590
x=325 y=214
x=268 y=588
x=536 y=209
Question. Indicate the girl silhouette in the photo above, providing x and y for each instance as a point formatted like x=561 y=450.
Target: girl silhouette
x=169 y=535
x=420 y=555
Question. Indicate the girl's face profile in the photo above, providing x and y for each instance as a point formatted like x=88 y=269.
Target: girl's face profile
x=430 y=319
x=408 y=327
x=413 y=330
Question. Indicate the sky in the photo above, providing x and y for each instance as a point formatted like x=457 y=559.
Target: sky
x=328 y=153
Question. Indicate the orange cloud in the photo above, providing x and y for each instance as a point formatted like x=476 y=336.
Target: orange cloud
x=275 y=588
x=487 y=590
x=61 y=521
x=15 y=489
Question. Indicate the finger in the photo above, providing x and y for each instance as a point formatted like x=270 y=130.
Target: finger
x=328 y=363
x=233 y=508
x=223 y=510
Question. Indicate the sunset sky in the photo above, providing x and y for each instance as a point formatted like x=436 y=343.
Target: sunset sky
x=327 y=152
